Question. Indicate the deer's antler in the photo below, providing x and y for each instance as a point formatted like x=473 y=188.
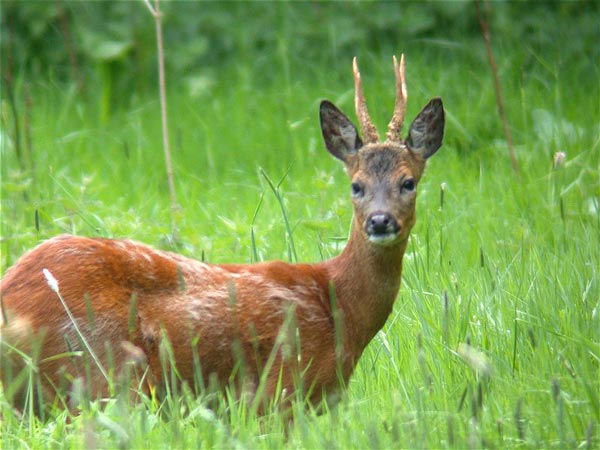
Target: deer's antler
x=395 y=126
x=369 y=131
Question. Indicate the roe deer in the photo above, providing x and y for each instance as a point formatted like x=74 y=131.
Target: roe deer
x=274 y=325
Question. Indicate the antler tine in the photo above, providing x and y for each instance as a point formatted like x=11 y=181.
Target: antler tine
x=395 y=126
x=369 y=131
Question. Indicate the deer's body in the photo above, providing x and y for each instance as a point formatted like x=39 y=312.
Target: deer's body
x=220 y=306
x=284 y=322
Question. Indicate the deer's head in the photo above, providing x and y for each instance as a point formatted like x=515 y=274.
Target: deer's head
x=384 y=175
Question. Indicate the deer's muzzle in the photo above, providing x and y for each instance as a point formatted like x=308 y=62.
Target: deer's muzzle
x=382 y=228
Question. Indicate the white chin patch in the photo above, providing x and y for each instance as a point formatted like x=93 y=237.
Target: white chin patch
x=383 y=239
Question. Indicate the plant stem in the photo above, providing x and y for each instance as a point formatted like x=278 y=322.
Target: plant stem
x=155 y=11
x=485 y=32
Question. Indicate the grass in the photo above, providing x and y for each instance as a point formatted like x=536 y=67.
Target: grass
x=494 y=340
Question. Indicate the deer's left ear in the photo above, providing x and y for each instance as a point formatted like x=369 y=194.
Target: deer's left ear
x=340 y=135
x=427 y=130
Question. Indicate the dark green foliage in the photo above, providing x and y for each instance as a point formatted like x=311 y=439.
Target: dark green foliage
x=68 y=38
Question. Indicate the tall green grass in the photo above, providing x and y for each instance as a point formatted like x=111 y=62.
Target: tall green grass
x=494 y=340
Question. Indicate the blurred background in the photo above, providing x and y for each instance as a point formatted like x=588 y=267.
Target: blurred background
x=81 y=127
x=109 y=47
x=73 y=41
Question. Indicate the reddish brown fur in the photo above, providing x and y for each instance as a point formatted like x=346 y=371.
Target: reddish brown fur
x=233 y=318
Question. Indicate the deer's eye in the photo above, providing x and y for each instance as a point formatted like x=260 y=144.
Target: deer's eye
x=357 y=189
x=408 y=185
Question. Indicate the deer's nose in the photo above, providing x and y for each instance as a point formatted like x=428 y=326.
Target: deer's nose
x=380 y=223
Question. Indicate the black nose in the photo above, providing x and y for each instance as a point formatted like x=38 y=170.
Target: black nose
x=381 y=223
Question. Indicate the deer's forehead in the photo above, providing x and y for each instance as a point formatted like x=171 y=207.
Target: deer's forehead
x=387 y=161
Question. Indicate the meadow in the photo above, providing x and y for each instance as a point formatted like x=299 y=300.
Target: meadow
x=494 y=341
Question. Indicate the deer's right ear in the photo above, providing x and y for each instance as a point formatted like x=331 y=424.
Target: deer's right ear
x=340 y=135
x=427 y=130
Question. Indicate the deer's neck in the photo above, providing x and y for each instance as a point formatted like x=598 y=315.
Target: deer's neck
x=366 y=279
